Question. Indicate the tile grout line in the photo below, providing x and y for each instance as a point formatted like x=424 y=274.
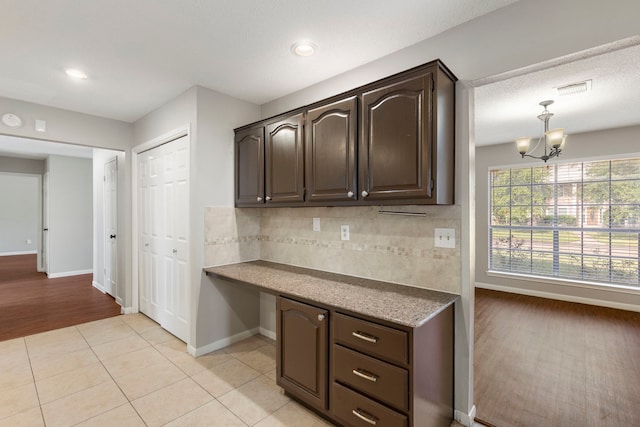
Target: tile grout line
x=35 y=386
x=157 y=348
x=112 y=378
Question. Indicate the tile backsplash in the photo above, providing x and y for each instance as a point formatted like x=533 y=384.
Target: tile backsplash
x=391 y=248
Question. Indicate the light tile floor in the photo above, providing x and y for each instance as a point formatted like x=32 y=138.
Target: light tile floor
x=127 y=371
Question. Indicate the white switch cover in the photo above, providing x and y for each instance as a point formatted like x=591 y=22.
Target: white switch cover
x=316 y=224
x=28 y=241
x=344 y=232
x=445 y=238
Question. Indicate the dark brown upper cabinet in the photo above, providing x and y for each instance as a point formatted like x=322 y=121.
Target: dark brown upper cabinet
x=302 y=351
x=249 y=166
x=284 y=160
x=406 y=150
x=330 y=138
x=390 y=142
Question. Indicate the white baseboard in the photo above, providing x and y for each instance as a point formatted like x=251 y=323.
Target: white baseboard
x=465 y=419
x=267 y=333
x=18 y=253
x=125 y=310
x=69 y=273
x=560 y=297
x=217 y=345
x=98 y=286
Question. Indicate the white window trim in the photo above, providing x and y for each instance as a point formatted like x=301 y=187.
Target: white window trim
x=566 y=282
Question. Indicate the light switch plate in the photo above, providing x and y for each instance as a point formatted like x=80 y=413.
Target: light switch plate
x=316 y=224
x=445 y=238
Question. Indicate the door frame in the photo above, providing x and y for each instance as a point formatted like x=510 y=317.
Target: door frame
x=182 y=131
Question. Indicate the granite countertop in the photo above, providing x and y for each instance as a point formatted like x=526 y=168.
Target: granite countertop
x=403 y=305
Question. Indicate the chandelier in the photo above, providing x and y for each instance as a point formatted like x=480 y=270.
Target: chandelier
x=554 y=139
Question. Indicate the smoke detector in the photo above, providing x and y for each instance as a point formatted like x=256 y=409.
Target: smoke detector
x=11 y=120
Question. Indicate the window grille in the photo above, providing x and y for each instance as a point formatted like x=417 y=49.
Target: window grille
x=577 y=221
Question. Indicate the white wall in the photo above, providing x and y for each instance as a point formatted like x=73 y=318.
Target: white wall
x=20 y=165
x=67 y=126
x=19 y=213
x=586 y=146
x=217 y=311
x=70 y=216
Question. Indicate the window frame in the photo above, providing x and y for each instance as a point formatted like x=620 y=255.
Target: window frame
x=615 y=268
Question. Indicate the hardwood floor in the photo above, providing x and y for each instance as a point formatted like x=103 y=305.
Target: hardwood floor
x=32 y=303
x=541 y=362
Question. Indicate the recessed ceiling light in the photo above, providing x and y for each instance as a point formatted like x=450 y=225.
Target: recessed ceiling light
x=75 y=73
x=303 y=48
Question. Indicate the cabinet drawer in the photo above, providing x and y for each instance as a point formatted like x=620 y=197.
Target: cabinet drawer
x=378 y=379
x=376 y=340
x=354 y=409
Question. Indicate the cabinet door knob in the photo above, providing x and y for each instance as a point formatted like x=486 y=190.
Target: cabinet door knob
x=321 y=317
x=268 y=198
x=175 y=251
x=259 y=198
x=350 y=194
x=364 y=193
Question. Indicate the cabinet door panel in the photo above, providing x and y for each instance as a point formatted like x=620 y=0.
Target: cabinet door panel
x=302 y=351
x=249 y=164
x=331 y=151
x=395 y=160
x=285 y=161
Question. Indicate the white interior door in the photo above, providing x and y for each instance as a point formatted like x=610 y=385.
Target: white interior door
x=45 y=223
x=163 y=184
x=110 y=206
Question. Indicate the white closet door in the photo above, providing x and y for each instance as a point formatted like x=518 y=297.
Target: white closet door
x=175 y=237
x=163 y=223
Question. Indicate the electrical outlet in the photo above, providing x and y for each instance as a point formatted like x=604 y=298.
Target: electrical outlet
x=28 y=241
x=316 y=224
x=344 y=232
x=445 y=238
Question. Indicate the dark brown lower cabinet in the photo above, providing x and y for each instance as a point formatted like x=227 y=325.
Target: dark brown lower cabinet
x=378 y=373
x=302 y=351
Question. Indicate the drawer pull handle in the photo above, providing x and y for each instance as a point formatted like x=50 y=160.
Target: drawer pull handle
x=365 y=337
x=365 y=416
x=366 y=375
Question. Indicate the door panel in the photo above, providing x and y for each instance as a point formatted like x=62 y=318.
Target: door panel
x=164 y=213
x=110 y=226
x=331 y=151
x=249 y=167
x=303 y=335
x=396 y=145
x=285 y=161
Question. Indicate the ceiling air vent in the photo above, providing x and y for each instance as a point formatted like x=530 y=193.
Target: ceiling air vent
x=574 y=88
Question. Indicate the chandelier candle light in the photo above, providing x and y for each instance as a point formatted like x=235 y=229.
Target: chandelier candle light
x=554 y=139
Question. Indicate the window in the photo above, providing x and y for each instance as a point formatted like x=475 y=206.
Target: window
x=573 y=221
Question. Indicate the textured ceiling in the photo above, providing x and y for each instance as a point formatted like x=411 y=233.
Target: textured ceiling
x=508 y=108
x=140 y=54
